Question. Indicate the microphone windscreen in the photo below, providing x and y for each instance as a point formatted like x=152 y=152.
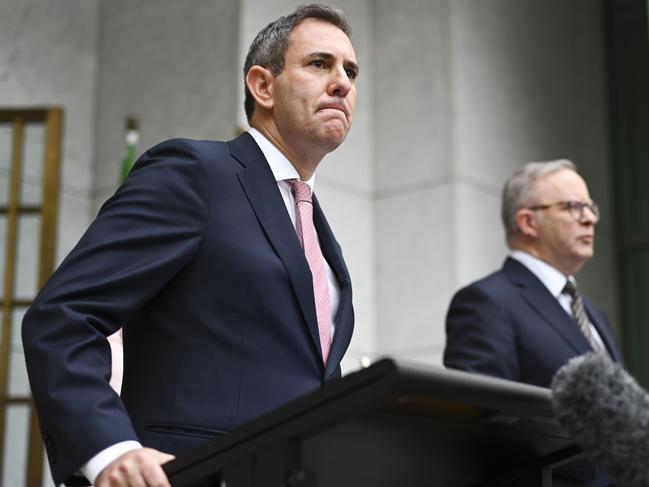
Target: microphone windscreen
x=607 y=413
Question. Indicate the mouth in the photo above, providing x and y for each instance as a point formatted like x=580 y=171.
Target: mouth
x=586 y=238
x=336 y=106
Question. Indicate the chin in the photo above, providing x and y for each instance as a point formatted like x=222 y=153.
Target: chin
x=336 y=127
x=333 y=138
x=585 y=250
x=579 y=262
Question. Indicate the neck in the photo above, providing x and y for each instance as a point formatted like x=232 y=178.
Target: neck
x=304 y=161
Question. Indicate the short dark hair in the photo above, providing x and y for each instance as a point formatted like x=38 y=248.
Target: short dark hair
x=269 y=47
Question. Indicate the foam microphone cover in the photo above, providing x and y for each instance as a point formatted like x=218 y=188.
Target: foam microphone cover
x=607 y=413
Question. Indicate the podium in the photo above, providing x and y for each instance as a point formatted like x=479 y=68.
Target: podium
x=391 y=424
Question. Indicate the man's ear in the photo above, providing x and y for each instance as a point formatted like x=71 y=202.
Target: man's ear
x=527 y=222
x=260 y=83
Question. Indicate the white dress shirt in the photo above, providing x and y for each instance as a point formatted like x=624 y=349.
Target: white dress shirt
x=282 y=170
x=554 y=280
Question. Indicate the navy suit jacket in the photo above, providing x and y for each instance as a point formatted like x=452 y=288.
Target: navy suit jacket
x=196 y=256
x=509 y=325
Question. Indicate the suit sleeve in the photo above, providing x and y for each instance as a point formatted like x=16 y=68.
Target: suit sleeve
x=142 y=237
x=479 y=336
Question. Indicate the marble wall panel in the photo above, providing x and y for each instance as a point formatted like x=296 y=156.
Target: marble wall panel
x=481 y=247
x=75 y=214
x=416 y=258
x=172 y=67
x=429 y=356
x=47 y=58
x=529 y=84
x=411 y=94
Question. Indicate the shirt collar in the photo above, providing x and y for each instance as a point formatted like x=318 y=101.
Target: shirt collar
x=552 y=278
x=280 y=166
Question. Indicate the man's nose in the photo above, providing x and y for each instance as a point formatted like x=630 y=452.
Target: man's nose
x=340 y=84
x=589 y=216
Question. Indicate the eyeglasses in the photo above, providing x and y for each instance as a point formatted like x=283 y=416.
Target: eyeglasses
x=575 y=208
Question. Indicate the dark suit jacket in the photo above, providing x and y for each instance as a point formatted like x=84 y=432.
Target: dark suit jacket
x=197 y=257
x=509 y=325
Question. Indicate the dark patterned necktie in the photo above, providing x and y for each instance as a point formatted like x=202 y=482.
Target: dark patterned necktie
x=580 y=316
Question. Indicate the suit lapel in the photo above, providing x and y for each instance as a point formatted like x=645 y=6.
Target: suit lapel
x=545 y=306
x=260 y=187
x=344 y=316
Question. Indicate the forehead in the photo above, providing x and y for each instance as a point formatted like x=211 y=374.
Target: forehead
x=314 y=35
x=562 y=184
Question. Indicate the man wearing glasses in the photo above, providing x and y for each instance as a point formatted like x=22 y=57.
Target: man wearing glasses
x=526 y=320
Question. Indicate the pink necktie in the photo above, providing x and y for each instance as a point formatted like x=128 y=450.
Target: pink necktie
x=309 y=240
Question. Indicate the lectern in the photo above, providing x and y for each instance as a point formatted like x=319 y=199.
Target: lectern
x=391 y=424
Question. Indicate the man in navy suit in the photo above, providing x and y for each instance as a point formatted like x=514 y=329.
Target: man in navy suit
x=197 y=255
x=521 y=323
x=518 y=323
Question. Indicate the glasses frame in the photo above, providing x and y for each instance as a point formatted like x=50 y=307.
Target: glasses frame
x=575 y=208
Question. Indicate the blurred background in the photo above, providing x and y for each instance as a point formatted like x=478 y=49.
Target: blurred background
x=453 y=96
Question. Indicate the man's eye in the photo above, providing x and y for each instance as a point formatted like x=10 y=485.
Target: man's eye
x=575 y=205
x=318 y=63
x=351 y=73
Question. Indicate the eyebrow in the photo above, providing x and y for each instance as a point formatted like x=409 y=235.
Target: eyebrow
x=328 y=56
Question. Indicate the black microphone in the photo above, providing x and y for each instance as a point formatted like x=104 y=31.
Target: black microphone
x=607 y=413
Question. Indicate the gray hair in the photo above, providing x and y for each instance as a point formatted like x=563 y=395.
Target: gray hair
x=520 y=189
x=269 y=47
